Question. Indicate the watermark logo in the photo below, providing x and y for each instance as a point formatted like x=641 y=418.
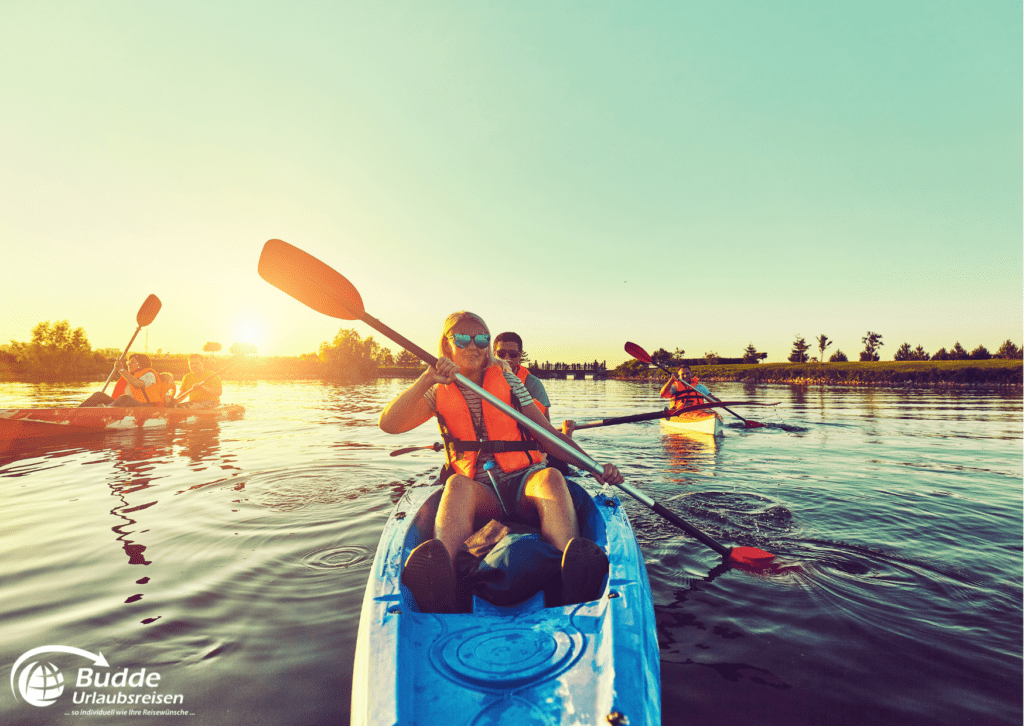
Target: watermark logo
x=40 y=683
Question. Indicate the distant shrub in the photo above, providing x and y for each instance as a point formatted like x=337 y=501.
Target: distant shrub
x=1008 y=350
x=980 y=353
x=838 y=357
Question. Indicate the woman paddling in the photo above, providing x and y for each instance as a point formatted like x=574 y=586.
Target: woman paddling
x=495 y=469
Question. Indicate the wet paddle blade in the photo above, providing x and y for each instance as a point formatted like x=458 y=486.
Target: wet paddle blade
x=753 y=424
x=147 y=313
x=309 y=281
x=637 y=352
x=751 y=557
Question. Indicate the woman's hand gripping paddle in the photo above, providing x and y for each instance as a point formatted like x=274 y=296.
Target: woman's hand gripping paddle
x=322 y=288
x=641 y=355
x=146 y=315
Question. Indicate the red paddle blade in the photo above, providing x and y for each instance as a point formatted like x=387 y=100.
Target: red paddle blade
x=309 y=281
x=637 y=352
x=751 y=557
x=147 y=313
x=753 y=424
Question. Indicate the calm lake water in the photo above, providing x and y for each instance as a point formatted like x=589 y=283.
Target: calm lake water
x=231 y=558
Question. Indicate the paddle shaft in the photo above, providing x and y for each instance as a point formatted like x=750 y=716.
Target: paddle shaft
x=582 y=459
x=104 y=389
x=667 y=413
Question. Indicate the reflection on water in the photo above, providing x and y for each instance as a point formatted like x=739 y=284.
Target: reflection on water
x=231 y=556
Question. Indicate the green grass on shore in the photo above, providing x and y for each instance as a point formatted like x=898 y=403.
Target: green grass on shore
x=950 y=372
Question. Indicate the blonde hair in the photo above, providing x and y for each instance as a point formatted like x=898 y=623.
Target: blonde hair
x=444 y=346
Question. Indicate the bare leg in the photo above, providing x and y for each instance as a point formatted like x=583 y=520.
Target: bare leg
x=463 y=501
x=547 y=494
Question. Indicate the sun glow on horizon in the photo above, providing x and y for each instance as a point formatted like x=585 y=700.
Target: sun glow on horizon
x=250 y=331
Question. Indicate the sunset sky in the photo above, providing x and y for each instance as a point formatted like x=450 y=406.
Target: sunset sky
x=681 y=174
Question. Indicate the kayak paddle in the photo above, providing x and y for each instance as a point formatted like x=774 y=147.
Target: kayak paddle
x=436 y=446
x=320 y=287
x=666 y=413
x=641 y=355
x=146 y=315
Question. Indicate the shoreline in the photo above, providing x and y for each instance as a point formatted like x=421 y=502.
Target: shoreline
x=956 y=374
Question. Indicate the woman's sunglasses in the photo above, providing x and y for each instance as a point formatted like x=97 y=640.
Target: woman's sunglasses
x=508 y=354
x=462 y=340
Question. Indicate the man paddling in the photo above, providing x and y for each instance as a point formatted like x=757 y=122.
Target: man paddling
x=204 y=388
x=509 y=347
x=683 y=395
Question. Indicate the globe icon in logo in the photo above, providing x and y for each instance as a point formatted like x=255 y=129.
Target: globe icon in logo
x=41 y=683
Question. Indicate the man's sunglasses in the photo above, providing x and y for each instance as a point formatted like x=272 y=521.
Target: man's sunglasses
x=502 y=353
x=462 y=340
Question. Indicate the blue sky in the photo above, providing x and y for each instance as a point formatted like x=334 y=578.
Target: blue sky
x=683 y=175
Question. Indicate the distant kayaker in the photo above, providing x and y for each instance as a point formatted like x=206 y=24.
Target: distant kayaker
x=205 y=388
x=516 y=487
x=143 y=385
x=685 y=395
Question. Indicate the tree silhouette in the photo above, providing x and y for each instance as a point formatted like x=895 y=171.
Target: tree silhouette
x=750 y=354
x=872 y=342
x=799 y=353
x=823 y=343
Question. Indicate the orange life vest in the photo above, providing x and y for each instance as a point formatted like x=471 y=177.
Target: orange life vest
x=512 y=447
x=687 y=397
x=119 y=388
x=153 y=395
x=523 y=372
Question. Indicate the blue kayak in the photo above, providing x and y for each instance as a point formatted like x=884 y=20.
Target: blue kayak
x=525 y=663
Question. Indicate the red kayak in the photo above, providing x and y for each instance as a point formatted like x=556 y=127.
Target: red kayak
x=30 y=423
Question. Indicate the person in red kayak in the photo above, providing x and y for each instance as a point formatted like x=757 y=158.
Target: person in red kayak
x=143 y=385
x=495 y=468
x=682 y=395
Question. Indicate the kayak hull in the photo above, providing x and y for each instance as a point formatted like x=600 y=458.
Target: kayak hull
x=695 y=422
x=34 y=423
x=521 y=664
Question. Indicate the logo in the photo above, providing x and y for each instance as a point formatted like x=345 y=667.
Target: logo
x=40 y=682
x=103 y=690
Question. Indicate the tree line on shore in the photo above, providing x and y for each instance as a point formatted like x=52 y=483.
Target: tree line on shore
x=873 y=343
x=57 y=351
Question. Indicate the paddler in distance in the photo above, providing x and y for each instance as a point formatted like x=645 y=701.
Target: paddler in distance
x=685 y=395
x=517 y=487
x=204 y=388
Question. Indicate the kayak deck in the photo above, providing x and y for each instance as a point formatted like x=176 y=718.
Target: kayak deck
x=507 y=665
x=30 y=423
x=698 y=422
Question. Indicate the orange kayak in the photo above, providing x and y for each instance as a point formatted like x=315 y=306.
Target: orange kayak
x=31 y=423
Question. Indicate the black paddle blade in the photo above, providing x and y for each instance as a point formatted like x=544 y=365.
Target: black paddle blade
x=147 y=313
x=637 y=352
x=309 y=281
